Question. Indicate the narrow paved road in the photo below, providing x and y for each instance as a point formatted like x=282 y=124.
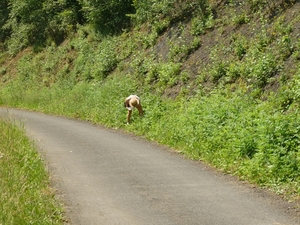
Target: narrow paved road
x=107 y=177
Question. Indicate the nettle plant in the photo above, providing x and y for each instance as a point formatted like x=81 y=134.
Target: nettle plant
x=262 y=67
x=179 y=51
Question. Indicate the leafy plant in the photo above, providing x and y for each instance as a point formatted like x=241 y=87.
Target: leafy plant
x=97 y=64
x=262 y=68
x=203 y=21
x=163 y=75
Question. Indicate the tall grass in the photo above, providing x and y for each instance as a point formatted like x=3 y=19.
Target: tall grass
x=25 y=194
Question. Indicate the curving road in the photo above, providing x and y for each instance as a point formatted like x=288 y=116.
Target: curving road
x=108 y=177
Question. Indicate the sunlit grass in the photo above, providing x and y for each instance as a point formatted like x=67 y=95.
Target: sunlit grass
x=25 y=194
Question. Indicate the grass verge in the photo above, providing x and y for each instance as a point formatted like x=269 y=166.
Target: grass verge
x=25 y=193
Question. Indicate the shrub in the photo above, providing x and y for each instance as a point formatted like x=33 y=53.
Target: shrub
x=263 y=67
x=95 y=63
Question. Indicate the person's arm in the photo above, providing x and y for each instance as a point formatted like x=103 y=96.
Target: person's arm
x=139 y=107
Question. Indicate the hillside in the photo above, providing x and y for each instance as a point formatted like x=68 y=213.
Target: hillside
x=219 y=81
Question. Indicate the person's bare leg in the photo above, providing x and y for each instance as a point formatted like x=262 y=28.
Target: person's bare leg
x=129 y=116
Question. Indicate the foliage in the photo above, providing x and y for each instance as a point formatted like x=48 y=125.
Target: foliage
x=3 y=18
x=36 y=23
x=180 y=51
x=107 y=16
x=95 y=65
x=170 y=10
x=32 y=23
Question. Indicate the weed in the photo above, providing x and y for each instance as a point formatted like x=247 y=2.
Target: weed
x=180 y=51
x=241 y=19
x=200 y=24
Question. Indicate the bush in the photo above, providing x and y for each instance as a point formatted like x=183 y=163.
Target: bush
x=95 y=62
x=108 y=17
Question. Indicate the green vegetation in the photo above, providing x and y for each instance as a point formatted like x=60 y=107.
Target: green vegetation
x=25 y=196
x=219 y=80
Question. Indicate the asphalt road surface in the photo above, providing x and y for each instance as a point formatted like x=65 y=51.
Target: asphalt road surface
x=109 y=177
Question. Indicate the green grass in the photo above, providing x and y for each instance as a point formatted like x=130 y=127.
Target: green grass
x=25 y=194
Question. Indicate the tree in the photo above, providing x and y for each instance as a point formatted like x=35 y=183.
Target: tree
x=26 y=23
x=36 y=22
x=4 y=12
x=108 y=16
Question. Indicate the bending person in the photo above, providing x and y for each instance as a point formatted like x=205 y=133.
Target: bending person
x=131 y=102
